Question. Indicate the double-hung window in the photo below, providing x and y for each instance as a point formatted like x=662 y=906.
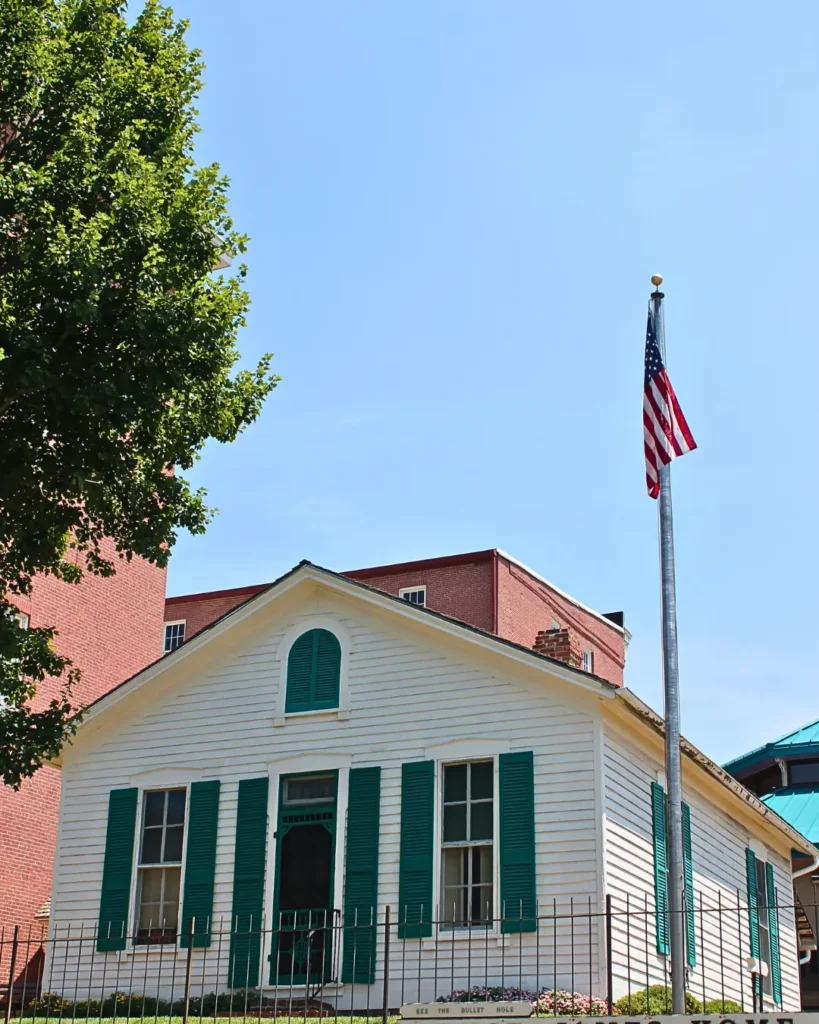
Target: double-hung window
x=467 y=853
x=160 y=865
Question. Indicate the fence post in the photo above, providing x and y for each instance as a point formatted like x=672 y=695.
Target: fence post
x=609 y=985
x=385 y=1008
x=11 y=972
x=188 y=969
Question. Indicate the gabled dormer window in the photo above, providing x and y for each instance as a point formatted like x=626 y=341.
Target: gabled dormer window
x=313 y=672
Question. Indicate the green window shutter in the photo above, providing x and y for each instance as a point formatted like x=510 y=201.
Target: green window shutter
x=753 y=911
x=517 y=842
x=361 y=876
x=327 y=669
x=660 y=866
x=773 y=926
x=116 y=871
x=688 y=864
x=248 y=883
x=200 y=862
x=416 y=857
x=313 y=672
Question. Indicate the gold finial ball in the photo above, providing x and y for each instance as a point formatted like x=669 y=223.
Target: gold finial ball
x=656 y=280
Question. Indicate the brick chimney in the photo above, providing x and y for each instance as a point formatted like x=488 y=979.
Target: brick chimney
x=560 y=644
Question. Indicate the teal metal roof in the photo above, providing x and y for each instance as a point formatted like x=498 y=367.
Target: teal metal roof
x=799 y=806
x=804 y=740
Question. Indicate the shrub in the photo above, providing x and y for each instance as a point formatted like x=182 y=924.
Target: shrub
x=718 y=1006
x=655 y=1000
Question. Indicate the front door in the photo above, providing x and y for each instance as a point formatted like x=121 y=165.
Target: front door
x=303 y=915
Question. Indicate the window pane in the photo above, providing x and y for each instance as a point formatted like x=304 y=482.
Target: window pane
x=176 y=806
x=480 y=824
x=149 y=916
x=172 y=876
x=455 y=823
x=454 y=782
x=804 y=772
x=454 y=908
x=151 y=887
x=481 y=865
x=455 y=867
x=315 y=790
x=482 y=773
x=152 y=846
x=173 y=843
x=481 y=904
x=154 y=808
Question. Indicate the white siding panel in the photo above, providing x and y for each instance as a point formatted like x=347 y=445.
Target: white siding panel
x=718 y=853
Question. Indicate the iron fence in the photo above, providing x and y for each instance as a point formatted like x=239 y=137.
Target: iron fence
x=571 y=958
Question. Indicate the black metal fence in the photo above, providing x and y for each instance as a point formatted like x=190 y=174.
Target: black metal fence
x=568 y=959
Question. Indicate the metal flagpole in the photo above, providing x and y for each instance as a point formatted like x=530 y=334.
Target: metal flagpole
x=673 y=771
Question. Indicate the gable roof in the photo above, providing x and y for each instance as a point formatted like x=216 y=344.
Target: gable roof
x=804 y=740
x=374 y=595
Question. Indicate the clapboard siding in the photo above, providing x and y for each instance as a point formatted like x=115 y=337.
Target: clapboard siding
x=403 y=697
x=718 y=855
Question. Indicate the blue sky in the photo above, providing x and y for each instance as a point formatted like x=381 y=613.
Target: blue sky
x=455 y=207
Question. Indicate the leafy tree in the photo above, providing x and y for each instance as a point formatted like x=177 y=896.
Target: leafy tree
x=117 y=339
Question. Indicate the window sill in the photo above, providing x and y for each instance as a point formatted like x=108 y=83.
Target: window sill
x=340 y=714
x=167 y=950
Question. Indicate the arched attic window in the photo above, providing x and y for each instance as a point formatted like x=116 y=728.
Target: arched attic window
x=313 y=672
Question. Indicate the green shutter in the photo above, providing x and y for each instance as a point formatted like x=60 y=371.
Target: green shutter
x=116 y=871
x=416 y=858
x=327 y=669
x=248 y=883
x=753 y=911
x=200 y=862
x=517 y=842
x=773 y=925
x=660 y=866
x=361 y=876
x=313 y=672
x=688 y=864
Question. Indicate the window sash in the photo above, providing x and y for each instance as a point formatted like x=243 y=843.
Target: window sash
x=163 y=928
x=469 y=901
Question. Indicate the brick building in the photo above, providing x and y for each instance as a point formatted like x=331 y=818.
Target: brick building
x=110 y=628
x=490 y=590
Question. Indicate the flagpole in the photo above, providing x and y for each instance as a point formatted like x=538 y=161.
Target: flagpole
x=673 y=770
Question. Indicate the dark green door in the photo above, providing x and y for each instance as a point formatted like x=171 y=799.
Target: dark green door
x=303 y=912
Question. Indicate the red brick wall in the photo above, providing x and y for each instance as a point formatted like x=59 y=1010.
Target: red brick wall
x=465 y=590
x=110 y=628
x=526 y=606
x=462 y=591
x=199 y=610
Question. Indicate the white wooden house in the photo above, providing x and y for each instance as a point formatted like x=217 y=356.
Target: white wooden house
x=329 y=749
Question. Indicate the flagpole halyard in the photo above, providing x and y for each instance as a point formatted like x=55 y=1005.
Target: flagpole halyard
x=676 y=894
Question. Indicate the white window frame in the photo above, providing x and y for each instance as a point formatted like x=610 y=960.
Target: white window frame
x=468 y=932
x=174 y=622
x=588 y=660
x=21 y=618
x=160 y=785
x=420 y=588
x=304 y=625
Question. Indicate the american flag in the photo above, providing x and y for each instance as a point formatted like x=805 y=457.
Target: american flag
x=664 y=427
